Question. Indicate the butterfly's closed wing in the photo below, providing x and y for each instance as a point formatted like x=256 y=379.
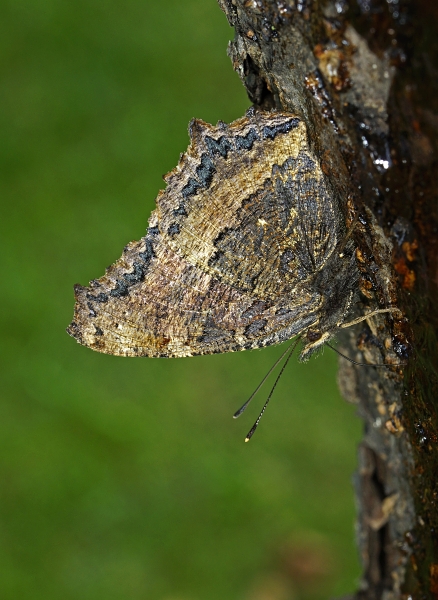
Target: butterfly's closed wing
x=238 y=254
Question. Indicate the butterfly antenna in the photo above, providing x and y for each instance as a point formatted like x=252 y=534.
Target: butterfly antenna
x=243 y=407
x=290 y=349
x=359 y=364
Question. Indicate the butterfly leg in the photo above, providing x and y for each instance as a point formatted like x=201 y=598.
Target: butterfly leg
x=369 y=314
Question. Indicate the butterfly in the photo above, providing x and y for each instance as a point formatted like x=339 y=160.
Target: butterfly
x=241 y=252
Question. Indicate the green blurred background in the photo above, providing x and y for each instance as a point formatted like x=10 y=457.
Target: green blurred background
x=127 y=478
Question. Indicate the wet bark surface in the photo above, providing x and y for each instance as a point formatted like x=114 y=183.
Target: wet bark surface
x=363 y=74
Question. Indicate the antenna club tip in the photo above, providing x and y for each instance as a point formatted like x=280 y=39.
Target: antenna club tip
x=247 y=439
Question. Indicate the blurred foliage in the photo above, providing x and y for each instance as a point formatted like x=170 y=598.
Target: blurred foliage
x=127 y=478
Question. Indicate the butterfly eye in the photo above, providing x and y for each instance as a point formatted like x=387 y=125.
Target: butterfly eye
x=313 y=336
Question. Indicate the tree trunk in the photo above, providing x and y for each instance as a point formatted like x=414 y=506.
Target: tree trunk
x=363 y=76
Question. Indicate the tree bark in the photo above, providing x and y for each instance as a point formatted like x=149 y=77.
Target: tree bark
x=363 y=76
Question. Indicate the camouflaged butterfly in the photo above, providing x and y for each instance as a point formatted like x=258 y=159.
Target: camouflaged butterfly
x=241 y=252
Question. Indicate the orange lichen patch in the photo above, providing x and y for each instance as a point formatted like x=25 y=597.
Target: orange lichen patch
x=366 y=287
x=410 y=255
x=333 y=64
x=410 y=250
x=359 y=255
x=315 y=83
x=407 y=274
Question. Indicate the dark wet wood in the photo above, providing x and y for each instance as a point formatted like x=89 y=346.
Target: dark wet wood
x=363 y=75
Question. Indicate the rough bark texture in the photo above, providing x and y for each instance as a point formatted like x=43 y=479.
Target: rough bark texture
x=363 y=75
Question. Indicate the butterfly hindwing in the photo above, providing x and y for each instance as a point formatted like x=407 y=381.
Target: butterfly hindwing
x=151 y=302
